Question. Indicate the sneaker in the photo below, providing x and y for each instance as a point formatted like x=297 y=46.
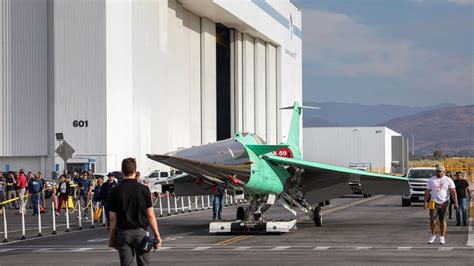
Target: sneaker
x=442 y=240
x=458 y=224
x=432 y=239
x=57 y=213
x=86 y=218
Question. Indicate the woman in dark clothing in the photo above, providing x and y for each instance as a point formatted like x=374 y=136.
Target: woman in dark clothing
x=63 y=192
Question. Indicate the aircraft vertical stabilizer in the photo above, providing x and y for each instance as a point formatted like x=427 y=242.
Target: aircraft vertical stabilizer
x=294 y=134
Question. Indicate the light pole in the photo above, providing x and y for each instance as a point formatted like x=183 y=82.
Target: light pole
x=413 y=144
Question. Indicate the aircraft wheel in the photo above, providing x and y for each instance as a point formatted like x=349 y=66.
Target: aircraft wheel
x=318 y=216
x=240 y=213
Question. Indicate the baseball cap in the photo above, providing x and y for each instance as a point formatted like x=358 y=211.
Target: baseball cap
x=440 y=169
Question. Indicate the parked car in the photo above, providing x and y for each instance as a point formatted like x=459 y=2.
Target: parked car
x=158 y=182
x=355 y=185
x=417 y=178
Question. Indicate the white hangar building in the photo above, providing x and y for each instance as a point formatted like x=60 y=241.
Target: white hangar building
x=125 y=78
x=376 y=149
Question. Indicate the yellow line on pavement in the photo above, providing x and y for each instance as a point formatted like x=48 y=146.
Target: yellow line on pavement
x=234 y=240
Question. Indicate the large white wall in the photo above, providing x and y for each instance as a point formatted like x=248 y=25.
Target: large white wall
x=23 y=79
x=23 y=84
x=80 y=76
x=345 y=145
x=142 y=74
x=270 y=22
x=156 y=91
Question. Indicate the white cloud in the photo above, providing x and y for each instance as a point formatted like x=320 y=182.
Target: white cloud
x=462 y=2
x=335 y=44
x=339 y=44
x=457 y=2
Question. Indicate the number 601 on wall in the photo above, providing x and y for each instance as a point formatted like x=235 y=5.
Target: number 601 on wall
x=80 y=123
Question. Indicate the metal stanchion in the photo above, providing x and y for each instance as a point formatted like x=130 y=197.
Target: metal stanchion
x=175 y=205
x=208 y=201
x=104 y=222
x=54 y=218
x=226 y=199
x=161 y=205
x=182 y=204
x=189 y=203
x=5 y=225
x=67 y=215
x=23 y=236
x=79 y=212
x=231 y=200
x=168 y=201
x=92 y=216
x=39 y=220
x=202 y=202
x=196 y=199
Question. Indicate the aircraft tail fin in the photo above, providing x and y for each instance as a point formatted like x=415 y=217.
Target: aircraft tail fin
x=294 y=134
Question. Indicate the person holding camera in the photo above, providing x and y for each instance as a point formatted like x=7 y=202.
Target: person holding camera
x=131 y=213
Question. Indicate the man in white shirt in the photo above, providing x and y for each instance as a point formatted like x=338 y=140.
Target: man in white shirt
x=439 y=187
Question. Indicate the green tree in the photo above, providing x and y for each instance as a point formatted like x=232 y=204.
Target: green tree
x=438 y=154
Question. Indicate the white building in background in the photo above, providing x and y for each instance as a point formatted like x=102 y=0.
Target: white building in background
x=126 y=78
x=377 y=149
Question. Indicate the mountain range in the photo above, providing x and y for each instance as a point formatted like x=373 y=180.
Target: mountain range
x=444 y=127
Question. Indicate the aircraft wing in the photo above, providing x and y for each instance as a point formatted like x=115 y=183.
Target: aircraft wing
x=322 y=182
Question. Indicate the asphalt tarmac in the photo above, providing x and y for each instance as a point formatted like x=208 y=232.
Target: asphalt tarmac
x=355 y=231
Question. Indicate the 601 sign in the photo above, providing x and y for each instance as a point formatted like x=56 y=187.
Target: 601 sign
x=80 y=123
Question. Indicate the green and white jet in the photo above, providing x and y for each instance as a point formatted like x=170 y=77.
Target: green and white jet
x=269 y=173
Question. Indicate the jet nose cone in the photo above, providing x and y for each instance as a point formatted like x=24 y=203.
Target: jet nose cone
x=158 y=158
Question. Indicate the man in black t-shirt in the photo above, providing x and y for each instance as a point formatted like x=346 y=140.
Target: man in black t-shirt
x=131 y=212
x=462 y=190
x=105 y=191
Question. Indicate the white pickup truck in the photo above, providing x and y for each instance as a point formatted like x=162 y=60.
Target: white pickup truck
x=417 y=178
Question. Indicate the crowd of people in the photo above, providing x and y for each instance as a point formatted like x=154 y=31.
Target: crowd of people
x=18 y=185
x=16 y=188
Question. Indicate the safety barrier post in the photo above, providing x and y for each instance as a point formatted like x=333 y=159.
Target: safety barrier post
x=182 y=204
x=189 y=203
x=168 y=201
x=5 y=225
x=39 y=221
x=104 y=222
x=54 y=218
x=161 y=205
x=208 y=202
x=196 y=199
x=202 y=202
x=92 y=216
x=23 y=222
x=67 y=215
x=79 y=212
x=175 y=205
x=231 y=200
x=226 y=199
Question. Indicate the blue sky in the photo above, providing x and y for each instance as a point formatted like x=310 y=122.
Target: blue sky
x=403 y=52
